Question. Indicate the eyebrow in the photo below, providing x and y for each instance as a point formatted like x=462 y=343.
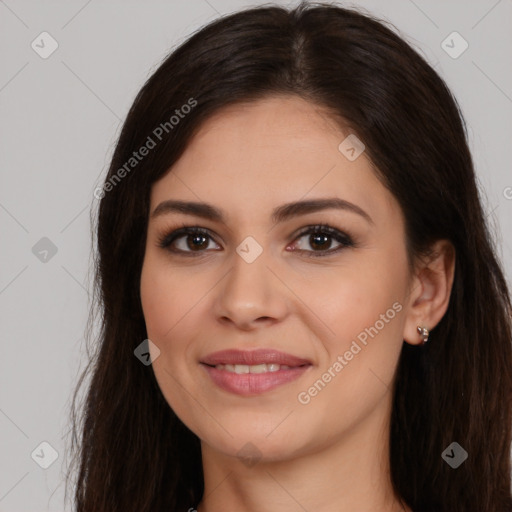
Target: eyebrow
x=279 y=214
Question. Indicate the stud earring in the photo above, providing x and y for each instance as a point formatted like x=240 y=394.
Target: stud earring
x=424 y=333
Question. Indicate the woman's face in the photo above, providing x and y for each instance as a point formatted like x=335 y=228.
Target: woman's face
x=330 y=305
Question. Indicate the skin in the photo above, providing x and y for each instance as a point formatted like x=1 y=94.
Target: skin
x=331 y=453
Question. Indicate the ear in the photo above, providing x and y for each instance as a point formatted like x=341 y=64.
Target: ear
x=430 y=291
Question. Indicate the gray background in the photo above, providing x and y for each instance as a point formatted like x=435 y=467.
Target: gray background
x=59 y=120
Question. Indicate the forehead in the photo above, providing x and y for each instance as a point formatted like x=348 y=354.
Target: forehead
x=277 y=130
x=248 y=158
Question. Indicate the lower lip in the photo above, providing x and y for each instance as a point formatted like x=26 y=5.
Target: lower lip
x=248 y=384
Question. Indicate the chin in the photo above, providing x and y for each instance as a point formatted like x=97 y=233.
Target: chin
x=252 y=445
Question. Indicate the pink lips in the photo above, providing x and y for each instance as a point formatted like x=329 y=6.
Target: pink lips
x=247 y=384
x=252 y=357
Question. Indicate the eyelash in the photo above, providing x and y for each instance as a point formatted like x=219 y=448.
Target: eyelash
x=344 y=239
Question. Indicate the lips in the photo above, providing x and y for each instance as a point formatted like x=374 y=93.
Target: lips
x=253 y=372
x=254 y=357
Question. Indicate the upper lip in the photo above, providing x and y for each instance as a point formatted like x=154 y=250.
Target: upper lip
x=253 y=357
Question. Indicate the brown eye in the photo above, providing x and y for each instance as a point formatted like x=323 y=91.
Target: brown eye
x=187 y=240
x=320 y=239
x=196 y=242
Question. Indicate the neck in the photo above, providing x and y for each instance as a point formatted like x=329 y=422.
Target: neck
x=344 y=474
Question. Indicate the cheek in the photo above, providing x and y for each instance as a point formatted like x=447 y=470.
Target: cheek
x=351 y=297
x=357 y=373
x=166 y=299
x=168 y=309
x=174 y=305
x=361 y=305
x=158 y=304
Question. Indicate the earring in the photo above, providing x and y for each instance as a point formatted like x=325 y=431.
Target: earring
x=424 y=333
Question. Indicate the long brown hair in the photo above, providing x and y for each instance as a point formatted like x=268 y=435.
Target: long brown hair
x=131 y=451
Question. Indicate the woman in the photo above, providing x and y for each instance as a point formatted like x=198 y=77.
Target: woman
x=290 y=232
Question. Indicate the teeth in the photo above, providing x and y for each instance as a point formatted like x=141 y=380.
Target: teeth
x=257 y=368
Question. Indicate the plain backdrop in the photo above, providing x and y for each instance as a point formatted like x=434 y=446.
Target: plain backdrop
x=59 y=119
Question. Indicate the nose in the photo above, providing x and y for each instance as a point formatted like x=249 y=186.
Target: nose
x=251 y=295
